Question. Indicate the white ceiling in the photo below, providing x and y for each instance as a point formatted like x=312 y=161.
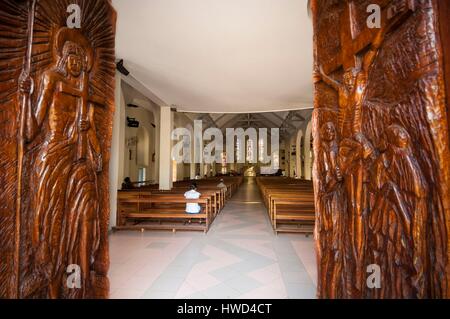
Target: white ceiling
x=219 y=55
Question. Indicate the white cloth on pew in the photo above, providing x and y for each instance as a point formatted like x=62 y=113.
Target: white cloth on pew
x=192 y=208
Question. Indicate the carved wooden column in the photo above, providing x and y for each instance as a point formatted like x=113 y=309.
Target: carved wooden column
x=381 y=143
x=56 y=110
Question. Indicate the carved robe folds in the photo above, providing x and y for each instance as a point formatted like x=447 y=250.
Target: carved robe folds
x=387 y=88
x=60 y=106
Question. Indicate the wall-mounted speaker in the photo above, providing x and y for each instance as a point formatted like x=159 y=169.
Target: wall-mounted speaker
x=132 y=122
x=121 y=68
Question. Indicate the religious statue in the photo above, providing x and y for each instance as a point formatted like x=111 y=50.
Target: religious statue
x=398 y=218
x=393 y=150
x=331 y=223
x=65 y=227
x=356 y=152
x=355 y=81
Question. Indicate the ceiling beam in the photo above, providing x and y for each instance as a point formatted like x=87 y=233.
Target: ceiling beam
x=272 y=123
x=220 y=117
x=233 y=119
x=277 y=116
x=286 y=120
x=211 y=120
x=297 y=114
x=251 y=120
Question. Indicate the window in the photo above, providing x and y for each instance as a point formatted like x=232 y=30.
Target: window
x=261 y=149
x=238 y=150
x=224 y=159
x=276 y=160
x=250 y=150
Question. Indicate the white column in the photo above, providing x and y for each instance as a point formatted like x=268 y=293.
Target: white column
x=214 y=169
x=116 y=162
x=156 y=115
x=192 y=170
x=198 y=149
x=308 y=159
x=165 y=148
x=299 y=153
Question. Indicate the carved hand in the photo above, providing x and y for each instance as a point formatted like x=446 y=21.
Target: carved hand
x=84 y=125
x=366 y=147
x=322 y=72
x=339 y=174
x=317 y=76
x=26 y=84
x=98 y=163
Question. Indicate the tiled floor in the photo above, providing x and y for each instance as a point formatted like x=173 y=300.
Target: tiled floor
x=240 y=257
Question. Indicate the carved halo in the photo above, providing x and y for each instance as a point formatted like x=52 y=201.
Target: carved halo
x=66 y=34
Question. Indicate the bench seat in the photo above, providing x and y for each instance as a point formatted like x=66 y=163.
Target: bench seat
x=289 y=203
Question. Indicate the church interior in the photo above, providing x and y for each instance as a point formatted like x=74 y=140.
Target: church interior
x=169 y=149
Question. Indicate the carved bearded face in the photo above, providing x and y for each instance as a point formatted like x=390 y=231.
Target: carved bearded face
x=398 y=136
x=73 y=55
x=349 y=79
x=74 y=65
x=328 y=132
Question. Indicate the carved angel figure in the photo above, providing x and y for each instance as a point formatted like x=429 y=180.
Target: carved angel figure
x=399 y=218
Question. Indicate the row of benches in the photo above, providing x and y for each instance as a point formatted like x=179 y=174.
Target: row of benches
x=148 y=208
x=289 y=202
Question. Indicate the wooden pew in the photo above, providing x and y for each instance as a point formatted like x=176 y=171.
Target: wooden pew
x=215 y=204
x=141 y=206
x=149 y=204
x=289 y=203
x=293 y=215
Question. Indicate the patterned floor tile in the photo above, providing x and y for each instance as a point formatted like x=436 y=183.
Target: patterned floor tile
x=240 y=257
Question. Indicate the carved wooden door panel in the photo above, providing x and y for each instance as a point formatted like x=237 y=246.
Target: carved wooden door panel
x=56 y=109
x=380 y=121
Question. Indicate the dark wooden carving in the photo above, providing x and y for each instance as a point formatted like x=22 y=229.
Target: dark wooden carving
x=381 y=143
x=57 y=103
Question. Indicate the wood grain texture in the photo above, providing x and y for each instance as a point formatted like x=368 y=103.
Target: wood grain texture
x=57 y=107
x=381 y=144
x=444 y=37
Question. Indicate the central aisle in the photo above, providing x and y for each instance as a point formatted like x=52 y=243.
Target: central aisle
x=240 y=257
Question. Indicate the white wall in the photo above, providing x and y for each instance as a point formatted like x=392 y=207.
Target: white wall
x=165 y=147
x=146 y=119
x=120 y=165
x=308 y=152
x=182 y=121
x=116 y=164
